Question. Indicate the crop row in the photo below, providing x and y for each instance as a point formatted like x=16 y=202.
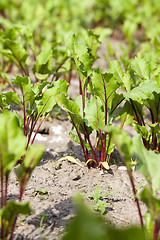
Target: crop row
x=43 y=55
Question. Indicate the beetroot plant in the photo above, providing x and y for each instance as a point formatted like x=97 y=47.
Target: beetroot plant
x=148 y=164
x=91 y=115
x=142 y=98
x=12 y=148
x=35 y=103
x=19 y=51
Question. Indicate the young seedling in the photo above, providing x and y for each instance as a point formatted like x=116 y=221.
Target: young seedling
x=97 y=203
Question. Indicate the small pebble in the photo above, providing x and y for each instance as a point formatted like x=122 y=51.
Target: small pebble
x=122 y=168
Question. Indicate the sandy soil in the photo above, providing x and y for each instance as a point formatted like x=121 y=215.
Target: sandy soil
x=62 y=182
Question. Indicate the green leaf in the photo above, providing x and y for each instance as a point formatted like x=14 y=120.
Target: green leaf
x=62 y=86
x=129 y=28
x=24 y=83
x=103 y=86
x=67 y=105
x=127 y=81
x=79 y=102
x=152 y=203
x=142 y=131
x=122 y=141
x=147 y=163
x=85 y=220
x=3 y=103
x=12 y=142
x=149 y=225
x=71 y=159
x=44 y=56
x=116 y=70
x=15 y=51
x=141 y=67
x=89 y=226
x=83 y=60
x=44 y=62
x=13 y=98
x=8 y=53
x=48 y=100
x=126 y=114
x=105 y=165
x=41 y=76
x=37 y=89
x=32 y=158
x=94 y=115
x=75 y=138
x=117 y=99
x=144 y=91
x=9 y=213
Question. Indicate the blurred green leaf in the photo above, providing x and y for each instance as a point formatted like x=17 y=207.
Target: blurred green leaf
x=32 y=157
x=9 y=213
x=147 y=163
x=12 y=142
x=89 y=226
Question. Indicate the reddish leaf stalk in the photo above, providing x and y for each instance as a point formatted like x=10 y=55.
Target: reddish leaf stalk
x=35 y=122
x=90 y=144
x=22 y=189
x=145 y=143
x=23 y=71
x=24 y=118
x=6 y=190
x=59 y=68
x=152 y=116
x=96 y=147
x=116 y=106
x=37 y=130
x=156 y=230
x=83 y=98
x=70 y=76
x=136 y=199
x=88 y=80
x=101 y=138
x=154 y=141
x=138 y=120
x=157 y=111
x=1 y=186
x=1 y=169
x=80 y=138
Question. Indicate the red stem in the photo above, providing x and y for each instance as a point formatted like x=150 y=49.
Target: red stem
x=96 y=147
x=136 y=199
x=6 y=190
x=80 y=138
x=134 y=109
x=24 y=116
x=70 y=75
x=116 y=106
x=83 y=99
x=37 y=130
x=1 y=185
x=157 y=110
x=90 y=144
x=156 y=230
x=1 y=233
